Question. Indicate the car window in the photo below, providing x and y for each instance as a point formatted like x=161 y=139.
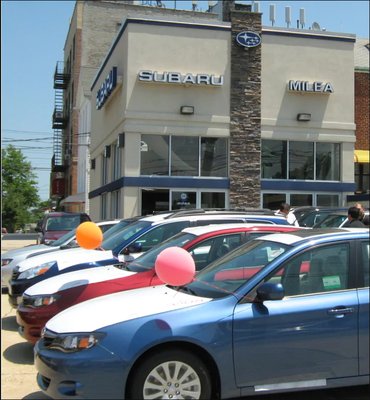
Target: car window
x=365 y=256
x=124 y=234
x=211 y=249
x=160 y=233
x=147 y=260
x=331 y=221
x=229 y=273
x=65 y=238
x=63 y=223
x=322 y=269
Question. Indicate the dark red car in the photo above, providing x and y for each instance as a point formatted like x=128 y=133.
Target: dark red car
x=55 y=224
x=45 y=299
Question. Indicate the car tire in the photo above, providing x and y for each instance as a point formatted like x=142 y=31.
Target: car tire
x=154 y=377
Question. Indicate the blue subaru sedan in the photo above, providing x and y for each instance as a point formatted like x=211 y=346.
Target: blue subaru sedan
x=285 y=312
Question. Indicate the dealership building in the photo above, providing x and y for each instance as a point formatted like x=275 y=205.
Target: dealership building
x=216 y=110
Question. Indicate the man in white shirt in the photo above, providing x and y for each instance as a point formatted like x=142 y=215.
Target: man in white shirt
x=285 y=211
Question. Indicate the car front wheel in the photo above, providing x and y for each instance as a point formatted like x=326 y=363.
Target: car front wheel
x=171 y=374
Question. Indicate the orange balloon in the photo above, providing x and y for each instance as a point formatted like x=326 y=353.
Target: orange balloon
x=89 y=235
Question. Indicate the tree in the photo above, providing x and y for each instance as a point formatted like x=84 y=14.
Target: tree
x=19 y=191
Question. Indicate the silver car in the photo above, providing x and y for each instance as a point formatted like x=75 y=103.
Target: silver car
x=12 y=258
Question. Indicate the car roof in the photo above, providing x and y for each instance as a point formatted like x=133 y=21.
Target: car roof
x=301 y=235
x=199 y=214
x=113 y=221
x=202 y=230
x=63 y=213
x=207 y=217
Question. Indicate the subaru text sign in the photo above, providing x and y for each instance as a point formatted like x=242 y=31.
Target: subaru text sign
x=178 y=78
x=106 y=88
x=248 y=39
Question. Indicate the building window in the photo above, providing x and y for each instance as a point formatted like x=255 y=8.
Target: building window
x=327 y=161
x=301 y=164
x=116 y=173
x=273 y=200
x=103 y=206
x=327 y=200
x=362 y=177
x=164 y=199
x=213 y=200
x=184 y=156
x=303 y=199
x=184 y=199
x=154 y=151
x=105 y=170
x=214 y=157
x=274 y=159
x=115 y=204
x=300 y=160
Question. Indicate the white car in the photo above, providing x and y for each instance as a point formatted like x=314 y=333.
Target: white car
x=12 y=258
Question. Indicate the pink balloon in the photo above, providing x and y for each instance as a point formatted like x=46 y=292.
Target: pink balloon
x=175 y=266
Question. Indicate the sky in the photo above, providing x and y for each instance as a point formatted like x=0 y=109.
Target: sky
x=33 y=34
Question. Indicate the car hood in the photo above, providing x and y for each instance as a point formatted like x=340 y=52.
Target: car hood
x=76 y=278
x=103 y=311
x=25 y=250
x=66 y=258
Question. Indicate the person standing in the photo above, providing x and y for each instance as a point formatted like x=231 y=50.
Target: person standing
x=363 y=218
x=284 y=210
x=354 y=219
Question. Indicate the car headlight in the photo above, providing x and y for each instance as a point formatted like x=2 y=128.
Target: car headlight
x=36 y=271
x=40 y=300
x=71 y=342
x=6 y=261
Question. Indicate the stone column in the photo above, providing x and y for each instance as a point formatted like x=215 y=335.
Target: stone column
x=245 y=109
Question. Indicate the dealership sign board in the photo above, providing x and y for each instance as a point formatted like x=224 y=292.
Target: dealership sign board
x=106 y=88
x=310 y=87
x=182 y=79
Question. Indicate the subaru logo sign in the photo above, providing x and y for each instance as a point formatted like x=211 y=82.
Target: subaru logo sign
x=248 y=39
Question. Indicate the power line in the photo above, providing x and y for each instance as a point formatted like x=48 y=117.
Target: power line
x=6 y=140
x=23 y=131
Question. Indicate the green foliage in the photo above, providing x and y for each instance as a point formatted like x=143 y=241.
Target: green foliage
x=19 y=191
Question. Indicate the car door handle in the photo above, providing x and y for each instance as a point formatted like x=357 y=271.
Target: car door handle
x=341 y=310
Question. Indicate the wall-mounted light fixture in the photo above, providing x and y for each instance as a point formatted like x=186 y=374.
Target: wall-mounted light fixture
x=187 y=110
x=303 y=117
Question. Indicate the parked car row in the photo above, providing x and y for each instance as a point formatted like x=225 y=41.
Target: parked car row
x=136 y=237
x=107 y=324
x=45 y=299
x=283 y=312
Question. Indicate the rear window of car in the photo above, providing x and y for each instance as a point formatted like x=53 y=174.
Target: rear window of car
x=62 y=223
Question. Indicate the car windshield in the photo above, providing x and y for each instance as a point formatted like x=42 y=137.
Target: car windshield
x=117 y=227
x=227 y=274
x=124 y=234
x=331 y=221
x=147 y=260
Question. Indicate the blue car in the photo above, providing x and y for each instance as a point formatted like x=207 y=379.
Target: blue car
x=285 y=312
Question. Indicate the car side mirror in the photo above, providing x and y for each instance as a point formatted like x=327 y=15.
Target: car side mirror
x=270 y=291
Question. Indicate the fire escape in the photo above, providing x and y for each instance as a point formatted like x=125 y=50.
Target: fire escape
x=60 y=121
x=60 y=117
